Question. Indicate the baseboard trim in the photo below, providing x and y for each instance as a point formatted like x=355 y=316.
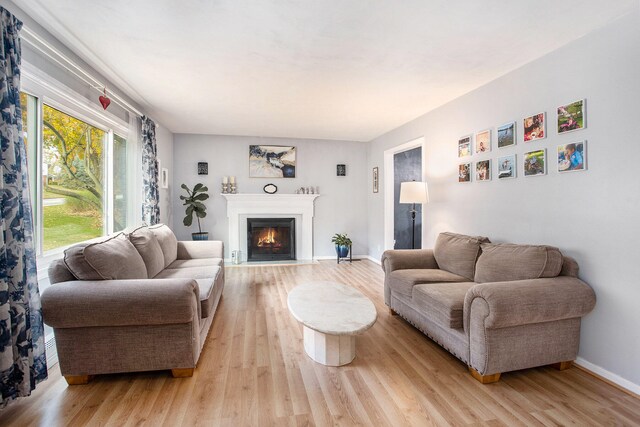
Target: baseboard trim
x=326 y=257
x=609 y=377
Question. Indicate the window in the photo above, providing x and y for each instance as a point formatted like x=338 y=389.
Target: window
x=72 y=180
x=78 y=175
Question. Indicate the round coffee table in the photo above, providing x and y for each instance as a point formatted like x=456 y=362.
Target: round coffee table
x=332 y=315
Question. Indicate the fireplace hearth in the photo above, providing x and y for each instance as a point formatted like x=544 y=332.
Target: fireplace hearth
x=271 y=239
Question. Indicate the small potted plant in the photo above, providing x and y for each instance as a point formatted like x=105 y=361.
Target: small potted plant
x=343 y=244
x=193 y=201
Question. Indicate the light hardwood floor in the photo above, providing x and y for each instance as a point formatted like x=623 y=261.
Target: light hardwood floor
x=253 y=371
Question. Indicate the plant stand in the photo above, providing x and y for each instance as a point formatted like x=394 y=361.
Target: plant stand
x=349 y=258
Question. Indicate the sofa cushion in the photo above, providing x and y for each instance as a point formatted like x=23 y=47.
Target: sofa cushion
x=443 y=301
x=149 y=249
x=458 y=253
x=206 y=278
x=403 y=281
x=78 y=265
x=114 y=259
x=505 y=262
x=196 y=262
x=168 y=242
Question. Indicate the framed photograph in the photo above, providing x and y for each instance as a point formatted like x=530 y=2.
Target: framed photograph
x=341 y=170
x=507 y=167
x=483 y=170
x=464 y=146
x=464 y=172
x=272 y=161
x=483 y=141
x=507 y=135
x=164 y=178
x=535 y=163
x=375 y=179
x=572 y=117
x=535 y=127
x=572 y=157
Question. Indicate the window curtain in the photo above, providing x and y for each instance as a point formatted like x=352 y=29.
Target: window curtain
x=150 y=190
x=23 y=362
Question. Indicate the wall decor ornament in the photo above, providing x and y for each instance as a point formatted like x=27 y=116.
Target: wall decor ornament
x=507 y=167
x=572 y=157
x=483 y=170
x=341 y=170
x=203 y=168
x=464 y=172
x=164 y=178
x=104 y=99
x=507 y=135
x=534 y=127
x=270 y=189
x=483 y=141
x=375 y=180
x=272 y=161
x=535 y=163
x=572 y=116
x=464 y=146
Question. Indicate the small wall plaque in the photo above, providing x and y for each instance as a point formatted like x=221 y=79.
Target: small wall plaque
x=341 y=170
x=203 y=168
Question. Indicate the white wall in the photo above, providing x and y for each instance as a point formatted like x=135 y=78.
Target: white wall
x=593 y=216
x=341 y=207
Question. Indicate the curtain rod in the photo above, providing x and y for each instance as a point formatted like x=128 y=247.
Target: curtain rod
x=71 y=66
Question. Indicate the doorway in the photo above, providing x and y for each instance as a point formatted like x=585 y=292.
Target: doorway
x=402 y=163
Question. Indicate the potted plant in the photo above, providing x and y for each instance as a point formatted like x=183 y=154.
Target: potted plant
x=193 y=201
x=343 y=244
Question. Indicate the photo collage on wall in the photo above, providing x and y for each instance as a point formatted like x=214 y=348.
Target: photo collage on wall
x=571 y=156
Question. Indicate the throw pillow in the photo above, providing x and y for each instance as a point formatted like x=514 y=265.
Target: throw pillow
x=168 y=242
x=149 y=249
x=115 y=259
x=505 y=262
x=457 y=253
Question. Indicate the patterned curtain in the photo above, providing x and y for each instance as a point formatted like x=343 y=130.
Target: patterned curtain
x=23 y=362
x=150 y=191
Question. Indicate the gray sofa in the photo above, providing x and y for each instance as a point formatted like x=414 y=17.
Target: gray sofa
x=496 y=307
x=139 y=301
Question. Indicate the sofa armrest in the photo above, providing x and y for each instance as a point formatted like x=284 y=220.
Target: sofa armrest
x=88 y=303
x=200 y=249
x=400 y=259
x=524 y=302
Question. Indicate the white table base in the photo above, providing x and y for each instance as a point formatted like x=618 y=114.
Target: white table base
x=330 y=350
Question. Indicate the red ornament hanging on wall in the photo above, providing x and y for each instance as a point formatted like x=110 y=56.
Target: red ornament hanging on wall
x=104 y=99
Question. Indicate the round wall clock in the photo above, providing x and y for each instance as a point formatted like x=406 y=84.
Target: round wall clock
x=270 y=189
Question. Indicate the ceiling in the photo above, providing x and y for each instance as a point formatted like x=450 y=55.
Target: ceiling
x=325 y=69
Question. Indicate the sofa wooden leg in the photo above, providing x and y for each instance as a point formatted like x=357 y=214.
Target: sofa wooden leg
x=182 y=373
x=392 y=312
x=561 y=366
x=78 y=379
x=484 y=379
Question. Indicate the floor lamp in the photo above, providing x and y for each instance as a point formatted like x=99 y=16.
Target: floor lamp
x=413 y=192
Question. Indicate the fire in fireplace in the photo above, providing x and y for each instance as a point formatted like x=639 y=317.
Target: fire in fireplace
x=271 y=239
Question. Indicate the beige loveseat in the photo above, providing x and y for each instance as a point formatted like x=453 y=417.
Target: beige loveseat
x=133 y=302
x=496 y=307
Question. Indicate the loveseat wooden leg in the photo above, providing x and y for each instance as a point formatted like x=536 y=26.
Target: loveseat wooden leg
x=392 y=312
x=484 y=379
x=561 y=366
x=182 y=373
x=78 y=379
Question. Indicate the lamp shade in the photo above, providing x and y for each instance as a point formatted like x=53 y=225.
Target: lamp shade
x=414 y=192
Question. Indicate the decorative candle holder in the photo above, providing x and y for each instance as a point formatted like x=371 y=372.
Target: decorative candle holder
x=233 y=188
x=225 y=188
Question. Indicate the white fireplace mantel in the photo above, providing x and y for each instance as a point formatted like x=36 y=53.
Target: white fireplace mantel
x=258 y=205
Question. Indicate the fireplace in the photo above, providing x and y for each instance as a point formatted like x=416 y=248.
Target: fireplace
x=271 y=239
